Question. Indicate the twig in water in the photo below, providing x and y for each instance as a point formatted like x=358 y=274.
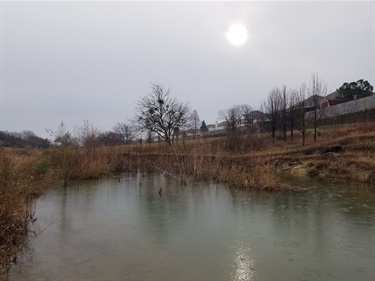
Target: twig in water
x=36 y=235
x=169 y=174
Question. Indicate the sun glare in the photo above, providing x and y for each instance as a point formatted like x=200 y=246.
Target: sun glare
x=237 y=34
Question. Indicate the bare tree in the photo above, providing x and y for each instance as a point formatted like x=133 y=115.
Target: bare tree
x=150 y=137
x=176 y=133
x=317 y=90
x=248 y=118
x=233 y=119
x=161 y=114
x=293 y=98
x=271 y=108
x=125 y=131
x=61 y=136
x=283 y=111
x=109 y=139
x=195 y=122
x=300 y=108
x=64 y=152
x=16 y=135
x=27 y=135
x=87 y=137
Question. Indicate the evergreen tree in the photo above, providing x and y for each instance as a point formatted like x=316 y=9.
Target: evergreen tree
x=204 y=127
x=355 y=90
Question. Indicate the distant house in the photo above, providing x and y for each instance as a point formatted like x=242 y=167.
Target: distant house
x=332 y=106
x=318 y=102
x=313 y=101
x=211 y=127
x=332 y=96
x=216 y=129
x=332 y=99
x=221 y=125
x=326 y=103
x=254 y=117
x=249 y=121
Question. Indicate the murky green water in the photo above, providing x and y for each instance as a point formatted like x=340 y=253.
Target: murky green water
x=111 y=230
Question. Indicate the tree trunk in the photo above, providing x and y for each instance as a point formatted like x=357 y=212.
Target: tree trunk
x=315 y=123
x=315 y=134
x=303 y=138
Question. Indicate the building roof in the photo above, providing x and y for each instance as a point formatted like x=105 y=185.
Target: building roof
x=222 y=124
x=332 y=96
x=255 y=114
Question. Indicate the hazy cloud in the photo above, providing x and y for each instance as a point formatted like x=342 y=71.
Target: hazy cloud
x=73 y=61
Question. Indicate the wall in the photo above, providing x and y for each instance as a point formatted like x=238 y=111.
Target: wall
x=347 y=107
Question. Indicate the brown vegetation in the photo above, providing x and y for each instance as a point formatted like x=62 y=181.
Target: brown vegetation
x=23 y=174
x=194 y=164
x=343 y=152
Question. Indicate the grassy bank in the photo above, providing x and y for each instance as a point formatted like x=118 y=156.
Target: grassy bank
x=341 y=152
x=23 y=177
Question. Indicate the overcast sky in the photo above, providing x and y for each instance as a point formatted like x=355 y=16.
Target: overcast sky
x=76 y=61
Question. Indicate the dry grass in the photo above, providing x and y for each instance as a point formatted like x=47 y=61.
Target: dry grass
x=259 y=159
x=356 y=160
x=200 y=163
x=23 y=175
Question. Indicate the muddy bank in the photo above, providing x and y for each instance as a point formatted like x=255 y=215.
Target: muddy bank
x=346 y=161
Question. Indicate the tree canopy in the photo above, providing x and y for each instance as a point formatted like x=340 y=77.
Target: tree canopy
x=23 y=139
x=161 y=114
x=355 y=90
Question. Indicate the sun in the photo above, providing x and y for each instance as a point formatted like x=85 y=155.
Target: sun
x=237 y=34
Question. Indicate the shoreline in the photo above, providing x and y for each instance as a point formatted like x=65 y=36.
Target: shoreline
x=347 y=154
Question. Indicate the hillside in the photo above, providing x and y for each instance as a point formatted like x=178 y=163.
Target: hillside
x=342 y=152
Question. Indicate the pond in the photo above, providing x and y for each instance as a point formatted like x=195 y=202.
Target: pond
x=123 y=229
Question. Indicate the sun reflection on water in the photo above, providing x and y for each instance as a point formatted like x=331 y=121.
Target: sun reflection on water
x=243 y=267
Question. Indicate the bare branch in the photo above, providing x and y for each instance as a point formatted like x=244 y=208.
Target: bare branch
x=161 y=114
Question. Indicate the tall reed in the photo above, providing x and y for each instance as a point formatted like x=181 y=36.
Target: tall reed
x=22 y=175
x=196 y=163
